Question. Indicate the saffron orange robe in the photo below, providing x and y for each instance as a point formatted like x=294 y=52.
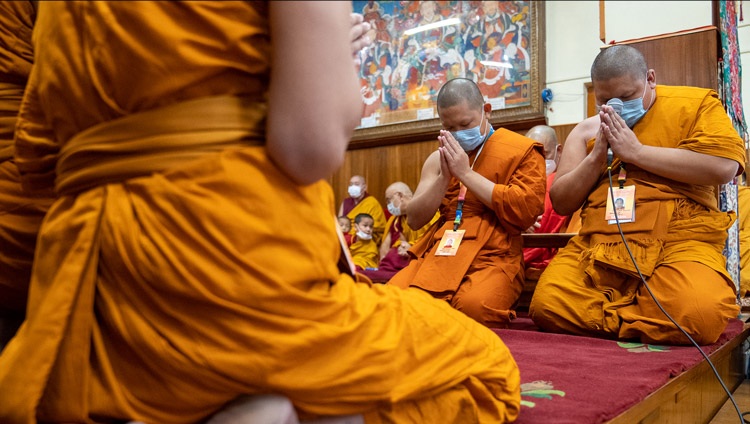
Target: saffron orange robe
x=20 y=213
x=744 y=218
x=551 y=222
x=369 y=205
x=399 y=231
x=365 y=253
x=485 y=278
x=591 y=287
x=163 y=289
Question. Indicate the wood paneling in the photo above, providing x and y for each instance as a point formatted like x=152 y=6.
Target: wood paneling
x=684 y=58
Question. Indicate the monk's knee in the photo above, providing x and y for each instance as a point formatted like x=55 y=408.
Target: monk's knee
x=483 y=310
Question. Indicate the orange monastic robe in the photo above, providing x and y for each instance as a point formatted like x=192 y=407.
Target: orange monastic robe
x=20 y=213
x=592 y=287
x=163 y=288
x=485 y=278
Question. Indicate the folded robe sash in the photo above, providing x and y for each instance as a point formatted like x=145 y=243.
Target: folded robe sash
x=61 y=300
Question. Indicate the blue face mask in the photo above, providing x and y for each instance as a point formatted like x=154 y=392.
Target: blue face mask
x=471 y=138
x=632 y=110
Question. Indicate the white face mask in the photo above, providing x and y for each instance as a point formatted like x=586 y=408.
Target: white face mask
x=363 y=236
x=393 y=209
x=355 y=191
x=551 y=166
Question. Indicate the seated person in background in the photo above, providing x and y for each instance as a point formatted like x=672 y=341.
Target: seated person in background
x=550 y=221
x=673 y=146
x=363 y=248
x=501 y=174
x=399 y=236
x=360 y=201
x=346 y=227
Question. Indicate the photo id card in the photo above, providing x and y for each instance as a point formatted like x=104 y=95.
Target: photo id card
x=623 y=205
x=448 y=245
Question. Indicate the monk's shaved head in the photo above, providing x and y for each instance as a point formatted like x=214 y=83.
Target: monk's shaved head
x=617 y=61
x=457 y=91
x=398 y=187
x=545 y=135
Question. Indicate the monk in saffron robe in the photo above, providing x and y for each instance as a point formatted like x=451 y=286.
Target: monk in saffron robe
x=501 y=175
x=20 y=213
x=363 y=248
x=182 y=136
x=550 y=221
x=360 y=201
x=743 y=205
x=673 y=146
x=399 y=236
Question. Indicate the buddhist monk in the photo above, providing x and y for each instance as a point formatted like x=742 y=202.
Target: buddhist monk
x=363 y=248
x=181 y=136
x=360 y=201
x=489 y=187
x=671 y=147
x=550 y=221
x=20 y=213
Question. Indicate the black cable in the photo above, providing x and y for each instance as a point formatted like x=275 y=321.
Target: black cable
x=645 y=284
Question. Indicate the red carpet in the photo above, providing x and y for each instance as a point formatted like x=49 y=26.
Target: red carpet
x=581 y=380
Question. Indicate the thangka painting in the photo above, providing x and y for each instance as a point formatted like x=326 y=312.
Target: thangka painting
x=419 y=45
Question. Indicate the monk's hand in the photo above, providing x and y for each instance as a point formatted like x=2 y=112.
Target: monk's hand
x=456 y=159
x=403 y=249
x=358 y=34
x=620 y=138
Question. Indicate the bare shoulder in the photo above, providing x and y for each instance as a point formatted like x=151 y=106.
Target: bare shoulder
x=585 y=130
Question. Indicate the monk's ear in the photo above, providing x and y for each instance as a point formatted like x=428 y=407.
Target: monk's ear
x=487 y=108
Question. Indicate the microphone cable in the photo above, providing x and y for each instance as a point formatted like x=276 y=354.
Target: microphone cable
x=645 y=284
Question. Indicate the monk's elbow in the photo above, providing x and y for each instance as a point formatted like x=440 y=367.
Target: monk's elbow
x=415 y=221
x=728 y=172
x=309 y=159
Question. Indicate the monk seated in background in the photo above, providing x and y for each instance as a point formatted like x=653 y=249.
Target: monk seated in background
x=671 y=147
x=363 y=248
x=550 y=221
x=360 y=201
x=488 y=187
x=399 y=236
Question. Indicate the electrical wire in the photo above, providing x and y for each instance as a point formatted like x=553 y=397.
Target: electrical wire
x=645 y=284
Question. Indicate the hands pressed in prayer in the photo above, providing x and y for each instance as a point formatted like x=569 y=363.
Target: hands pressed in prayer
x=618 y=135
x=452 y=155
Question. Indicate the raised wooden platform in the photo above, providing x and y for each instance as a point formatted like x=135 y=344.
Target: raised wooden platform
x=694 y=396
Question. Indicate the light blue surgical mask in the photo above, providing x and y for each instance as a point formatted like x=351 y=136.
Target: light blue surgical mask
x=469 y=139
x=394 y=210
x=632 y=110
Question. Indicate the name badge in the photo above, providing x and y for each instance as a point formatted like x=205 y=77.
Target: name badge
x=448 y=245
x=623 y=205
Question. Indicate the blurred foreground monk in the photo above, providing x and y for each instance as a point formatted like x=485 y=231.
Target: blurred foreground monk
x=20 y=213
x=181 y=136
x=673 y=146
x=501 y=174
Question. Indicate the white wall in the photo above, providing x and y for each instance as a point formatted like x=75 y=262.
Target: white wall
x=572 y=42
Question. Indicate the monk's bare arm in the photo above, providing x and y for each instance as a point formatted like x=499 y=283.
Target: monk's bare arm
x=314 y=100
x=430 y=192
x=578 y=170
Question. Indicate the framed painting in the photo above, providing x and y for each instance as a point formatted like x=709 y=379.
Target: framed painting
x=419 y=45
